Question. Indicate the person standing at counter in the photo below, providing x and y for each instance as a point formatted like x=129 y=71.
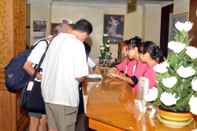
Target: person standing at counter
x=63 y=68
x=38 y=120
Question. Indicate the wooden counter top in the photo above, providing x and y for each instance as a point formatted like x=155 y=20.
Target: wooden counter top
x=111 y=107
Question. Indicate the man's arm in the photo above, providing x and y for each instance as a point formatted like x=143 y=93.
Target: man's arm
x=28 y=67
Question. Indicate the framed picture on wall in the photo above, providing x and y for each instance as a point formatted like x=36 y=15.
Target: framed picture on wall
x=39 y=26
x=113 y=28
x=39 y=29
x=173 y=19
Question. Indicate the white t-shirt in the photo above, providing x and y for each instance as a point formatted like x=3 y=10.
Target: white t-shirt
x=64 y=62
x=37 y=52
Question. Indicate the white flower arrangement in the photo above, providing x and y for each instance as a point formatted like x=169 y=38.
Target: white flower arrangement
x=191 y=52
x=192 y=104
x=169 y=82
x=185 y=72
x=168 y=99
x=105 y=54
x=162 y=67
x=186 y=26
x=177 y=75
x=151 y=94
x=194 y=84
x=177 y=47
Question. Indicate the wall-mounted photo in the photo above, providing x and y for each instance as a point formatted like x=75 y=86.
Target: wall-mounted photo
x=39 y=26
x=113 y=28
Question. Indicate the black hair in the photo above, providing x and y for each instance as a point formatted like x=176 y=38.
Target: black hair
x=134 y=42
x=87 y=48
x=153 y=49
x=83 y=26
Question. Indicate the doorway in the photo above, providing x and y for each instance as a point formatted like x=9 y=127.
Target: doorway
x=193 y=18
x=165 y=21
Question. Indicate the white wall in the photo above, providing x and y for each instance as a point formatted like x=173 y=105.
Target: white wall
x=181 y=6
x=133 y=23
x=152 y=22
x=39 y=10
x=94 y=13
x=144 y=22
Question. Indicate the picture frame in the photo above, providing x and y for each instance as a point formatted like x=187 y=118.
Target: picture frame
x=113 y=28
x=39 y=26
x=173 y=19
x=39 y=29
x=131 y=5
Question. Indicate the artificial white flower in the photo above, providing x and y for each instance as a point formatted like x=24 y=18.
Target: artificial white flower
x=102 y=48
x=151 y=94
x=108 y=41
x=194 y=84
x=162 y=67
x=188 y=26
x=185 y=72
x=169 y=82
x=105 y=35
x=179 y=26
x=177 y=47
x=107 y=45
x=192 y=105
x=168 y=99
x=191 y=52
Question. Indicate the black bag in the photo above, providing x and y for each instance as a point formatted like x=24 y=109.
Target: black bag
x=32 y=100
x=31 y=97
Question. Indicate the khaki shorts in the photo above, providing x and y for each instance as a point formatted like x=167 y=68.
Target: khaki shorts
x=62 y=118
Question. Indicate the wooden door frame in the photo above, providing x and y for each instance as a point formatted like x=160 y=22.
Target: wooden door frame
x=165 y=22
x=193 y=18
x=13 y=40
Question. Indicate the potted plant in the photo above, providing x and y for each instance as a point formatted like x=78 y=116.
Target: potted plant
x=105 y=54
x=177 y=80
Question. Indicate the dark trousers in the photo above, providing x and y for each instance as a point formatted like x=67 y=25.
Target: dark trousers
x=82 y=120
x=81 y=106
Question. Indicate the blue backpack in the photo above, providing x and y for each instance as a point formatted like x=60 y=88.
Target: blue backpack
x=15 y=76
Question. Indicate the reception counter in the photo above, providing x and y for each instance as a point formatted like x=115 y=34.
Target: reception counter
x=111 y=107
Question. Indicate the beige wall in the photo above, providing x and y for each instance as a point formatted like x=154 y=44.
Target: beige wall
x=152 y=22
x=94 y=13
x=144 y=22
x=181 y=6
x=39 y=11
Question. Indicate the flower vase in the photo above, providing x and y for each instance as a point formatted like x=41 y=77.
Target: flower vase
x=174 y=119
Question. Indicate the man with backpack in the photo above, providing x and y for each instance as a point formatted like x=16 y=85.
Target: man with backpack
x=64 y=66
x=38 y=119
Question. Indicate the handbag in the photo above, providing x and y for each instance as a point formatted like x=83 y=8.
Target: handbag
x=31 y=96
x=32 y=100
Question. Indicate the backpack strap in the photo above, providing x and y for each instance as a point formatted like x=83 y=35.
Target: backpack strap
x=37 y=42
x=37 y=67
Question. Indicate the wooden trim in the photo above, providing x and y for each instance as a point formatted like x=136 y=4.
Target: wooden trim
x=99 y=126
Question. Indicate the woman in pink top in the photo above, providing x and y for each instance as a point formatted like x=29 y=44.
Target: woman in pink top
x=151 y=54
x=132 y=68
